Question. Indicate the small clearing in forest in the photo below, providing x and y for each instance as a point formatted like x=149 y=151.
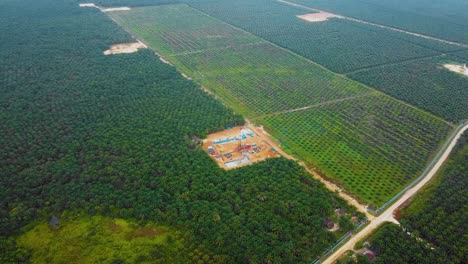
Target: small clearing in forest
x=238 y=146
x=112 y=9
x=462 y=69
x=318 y=17
x=125 y=48
x=88 y=5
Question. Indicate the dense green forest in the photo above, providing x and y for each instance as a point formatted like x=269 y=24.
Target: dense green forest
x=436 y=218
x=393 y=245
x=88 y=134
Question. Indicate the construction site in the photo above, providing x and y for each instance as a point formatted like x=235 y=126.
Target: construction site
x=238 y=146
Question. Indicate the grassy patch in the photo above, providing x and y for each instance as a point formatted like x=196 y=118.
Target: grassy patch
x=102 y=240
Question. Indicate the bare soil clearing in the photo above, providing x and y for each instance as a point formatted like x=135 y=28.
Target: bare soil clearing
x=318 y=17
x=335 y=228
x=238 y=146
x=125 y=48
x=89 y=5
x=462 y=69
x=185 y=76
x=110 y=9
x=161 y=58
x=165 y=61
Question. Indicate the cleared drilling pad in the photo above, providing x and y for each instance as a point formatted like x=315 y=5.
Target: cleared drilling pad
x=238 y=146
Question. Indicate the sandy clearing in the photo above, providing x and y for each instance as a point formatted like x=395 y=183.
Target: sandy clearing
x=228 y=142
x=185 y=76
x=161 y=58
x=318 y=17
x=124 y=48
x=164 y=60
x=335 y=228
x=461 y=69
x=143 y=44
x=89 y=5
x=112 y=9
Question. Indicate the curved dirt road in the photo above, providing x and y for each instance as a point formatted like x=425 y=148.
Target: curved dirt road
x=387 y=215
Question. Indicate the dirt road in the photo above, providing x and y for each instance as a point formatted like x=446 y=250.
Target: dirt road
x=387 y=215
x=370 y=93
x=464 y=45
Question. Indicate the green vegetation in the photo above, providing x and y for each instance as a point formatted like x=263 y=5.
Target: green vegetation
x=462 y=55
x=117 y=136
x=254 y=78
x=179 y=29
x=104 y=240
x=338 y=44
x=440 y=214
x=424 y=83
x=366 y=144
x=435 y=220
x=393 y=245
x=260 y=78
x=267 y=79
x=444 y=19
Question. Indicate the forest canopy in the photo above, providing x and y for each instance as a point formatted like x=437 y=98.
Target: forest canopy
x=113 y=136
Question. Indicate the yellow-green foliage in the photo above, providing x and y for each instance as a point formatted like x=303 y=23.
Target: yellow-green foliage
x=102 y=240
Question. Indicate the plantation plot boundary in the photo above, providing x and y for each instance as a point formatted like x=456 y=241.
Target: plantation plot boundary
x=374 y=49
x=313 y=84
x=340 y=45
x=425 y=83
x=361 y=144
x=460 y=44
x=236 y=74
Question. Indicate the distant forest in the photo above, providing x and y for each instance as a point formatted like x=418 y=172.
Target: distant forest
x=88 y=134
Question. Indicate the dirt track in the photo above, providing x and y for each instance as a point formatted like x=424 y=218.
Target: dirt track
x=387 y=215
